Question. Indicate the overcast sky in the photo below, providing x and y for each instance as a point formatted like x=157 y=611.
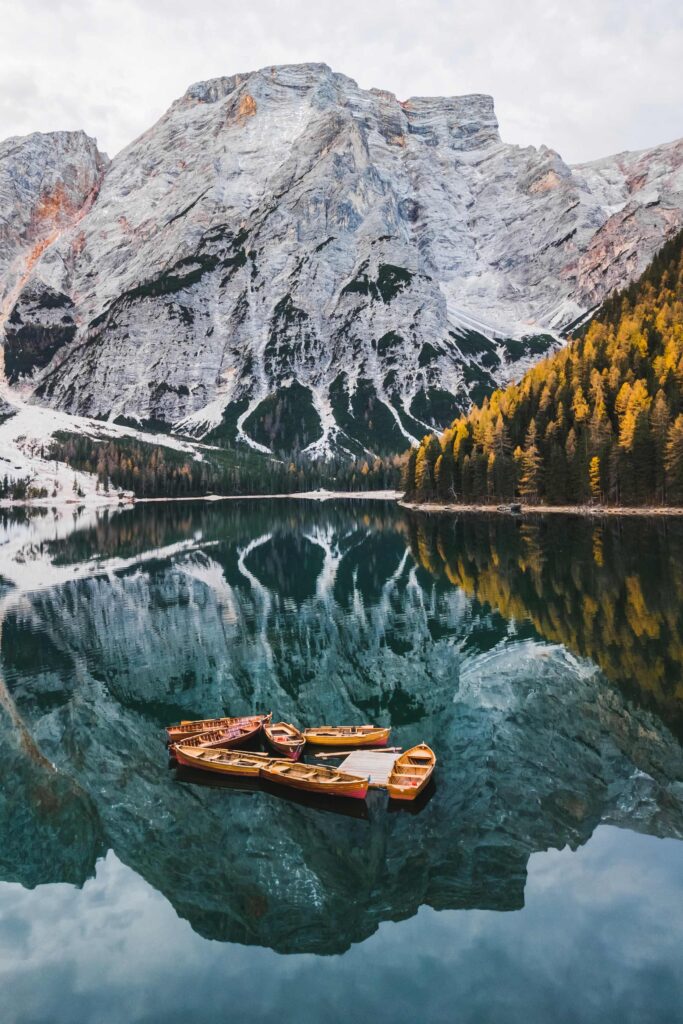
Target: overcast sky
x=587 y=77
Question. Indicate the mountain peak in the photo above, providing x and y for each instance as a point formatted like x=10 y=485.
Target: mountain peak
x=213 y=90
x=462 y=122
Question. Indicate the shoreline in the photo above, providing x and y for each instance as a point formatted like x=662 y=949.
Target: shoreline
x=588 y=511
x=129 y=501
x=320 y=495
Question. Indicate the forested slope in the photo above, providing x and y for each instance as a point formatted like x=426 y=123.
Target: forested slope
x=602 y=419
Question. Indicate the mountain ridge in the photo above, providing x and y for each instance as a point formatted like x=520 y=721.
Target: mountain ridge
x=288 y=261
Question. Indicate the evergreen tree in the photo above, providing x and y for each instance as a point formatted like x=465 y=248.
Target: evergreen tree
x=556 y=477
x=595 y=479
x=466 y=476
x=445 y=475
x=532 y=467
x=408 y=478
x=428 y=452
x=659 y=426
x=674 y=461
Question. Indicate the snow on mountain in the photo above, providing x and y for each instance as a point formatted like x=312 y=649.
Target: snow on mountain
x=291 y=261
x=26 y=434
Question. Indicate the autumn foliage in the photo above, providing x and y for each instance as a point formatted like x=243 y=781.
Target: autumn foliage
x=600 y=420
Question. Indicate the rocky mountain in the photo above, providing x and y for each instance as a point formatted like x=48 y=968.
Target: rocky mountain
x=290 y=261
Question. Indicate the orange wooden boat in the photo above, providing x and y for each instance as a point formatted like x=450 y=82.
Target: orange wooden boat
x=350 y=736
x=411 y=772
x=315 y=778
x=184 y=730
x=284 y=738
x=225 y=762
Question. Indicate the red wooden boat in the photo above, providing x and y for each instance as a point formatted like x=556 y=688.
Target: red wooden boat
x=185 y=730
x=284 y=738
x=236 y=735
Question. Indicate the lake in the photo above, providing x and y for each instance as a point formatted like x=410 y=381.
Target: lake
x=539 y=878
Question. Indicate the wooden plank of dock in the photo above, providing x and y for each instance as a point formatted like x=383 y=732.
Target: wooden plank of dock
x=373 y=765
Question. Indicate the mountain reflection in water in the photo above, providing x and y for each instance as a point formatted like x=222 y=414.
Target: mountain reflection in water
x=541 y=660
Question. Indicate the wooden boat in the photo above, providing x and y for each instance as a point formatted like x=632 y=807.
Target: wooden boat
x=349 y=736
x=225 y=762
x=184 y=730
x=284 y=738
x=315 y=778
x=241 y=732
x=411 y=773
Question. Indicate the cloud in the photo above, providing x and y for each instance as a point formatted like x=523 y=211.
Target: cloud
x=599 y=939
x=587 y=79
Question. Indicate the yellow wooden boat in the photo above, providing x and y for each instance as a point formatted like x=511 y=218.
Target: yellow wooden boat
x=285 y=739
x=315 y=778
x=225 y=762
x=348 y=736
x=411 y=772
x=184 y=730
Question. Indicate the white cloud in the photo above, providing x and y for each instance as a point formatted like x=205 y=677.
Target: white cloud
x=599 y=938
x=588 y=78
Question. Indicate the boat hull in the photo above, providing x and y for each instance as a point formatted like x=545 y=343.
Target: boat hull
x=284 y=750
x=407 y=793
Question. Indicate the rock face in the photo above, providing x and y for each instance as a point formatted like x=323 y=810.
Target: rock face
x=6 y=410
x=647 y=190
x=47 y=182
x=292 y=261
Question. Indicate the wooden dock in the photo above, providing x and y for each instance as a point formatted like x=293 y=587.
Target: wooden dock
x=373 y=765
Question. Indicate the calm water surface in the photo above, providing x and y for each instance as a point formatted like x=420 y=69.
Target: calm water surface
x=539 y=879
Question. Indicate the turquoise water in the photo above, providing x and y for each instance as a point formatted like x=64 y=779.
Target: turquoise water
x=539 y=879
